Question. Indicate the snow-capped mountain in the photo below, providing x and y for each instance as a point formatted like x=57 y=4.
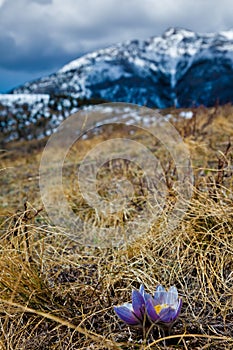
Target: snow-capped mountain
x=181 y=68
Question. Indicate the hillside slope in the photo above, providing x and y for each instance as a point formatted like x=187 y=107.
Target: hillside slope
x=179 y=68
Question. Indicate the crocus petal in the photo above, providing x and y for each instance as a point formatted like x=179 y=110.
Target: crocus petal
x=141 y=289
x=151 y=310
x=160 y=296
x=126 y=315
x=172 y=296
x=138 y=304
x=160 y=288
x=128 y=305
x=167 y=315
x=145 y=295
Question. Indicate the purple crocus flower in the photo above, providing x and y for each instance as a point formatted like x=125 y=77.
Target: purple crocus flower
x=133 y=313
x=165 y=307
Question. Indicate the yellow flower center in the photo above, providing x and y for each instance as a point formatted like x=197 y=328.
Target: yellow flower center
x=160 y=307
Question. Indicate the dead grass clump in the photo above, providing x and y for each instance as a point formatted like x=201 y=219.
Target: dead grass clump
x=58 y=294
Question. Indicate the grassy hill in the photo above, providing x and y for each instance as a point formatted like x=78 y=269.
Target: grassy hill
x=56 y=293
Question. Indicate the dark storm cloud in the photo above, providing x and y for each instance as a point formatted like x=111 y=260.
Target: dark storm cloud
x=38 y=55
x=38 y=35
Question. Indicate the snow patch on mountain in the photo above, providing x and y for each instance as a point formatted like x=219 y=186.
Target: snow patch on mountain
x=227 y=34
x=138 y=71
x=180 y=68
x=8 y=99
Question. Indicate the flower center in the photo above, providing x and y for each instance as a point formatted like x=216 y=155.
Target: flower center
x=160 y=307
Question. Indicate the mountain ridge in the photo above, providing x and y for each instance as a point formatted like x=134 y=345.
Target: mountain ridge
x=180 y=69
x=148 y=72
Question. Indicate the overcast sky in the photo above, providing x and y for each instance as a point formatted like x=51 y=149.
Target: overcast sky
x=39 y=36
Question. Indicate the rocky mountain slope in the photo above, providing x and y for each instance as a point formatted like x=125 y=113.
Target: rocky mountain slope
x=181 y=68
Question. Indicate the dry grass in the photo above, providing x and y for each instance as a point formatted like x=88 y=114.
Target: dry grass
x=58 y=294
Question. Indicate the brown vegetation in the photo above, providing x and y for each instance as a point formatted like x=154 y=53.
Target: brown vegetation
x=58 y=294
